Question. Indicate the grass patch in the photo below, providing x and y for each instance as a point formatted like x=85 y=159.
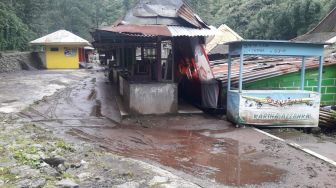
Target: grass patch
x=68 y=176
x=6 y=175
x=64 y=146
x=28 y=156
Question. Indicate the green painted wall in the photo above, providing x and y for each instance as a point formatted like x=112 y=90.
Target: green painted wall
x=292 y=81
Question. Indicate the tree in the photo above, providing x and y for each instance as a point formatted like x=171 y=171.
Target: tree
x=13 y=32
x=24 y=20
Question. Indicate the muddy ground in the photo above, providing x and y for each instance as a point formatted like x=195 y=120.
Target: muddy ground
x=72 y=116
x=321 y=142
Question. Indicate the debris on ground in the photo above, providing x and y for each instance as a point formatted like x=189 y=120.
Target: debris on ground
x=17 y=61
x=328 y=117
x=73 y=136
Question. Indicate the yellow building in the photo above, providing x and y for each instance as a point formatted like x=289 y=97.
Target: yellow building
x=63 y=49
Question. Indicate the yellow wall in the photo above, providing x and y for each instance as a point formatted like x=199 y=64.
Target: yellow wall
x=58 y=60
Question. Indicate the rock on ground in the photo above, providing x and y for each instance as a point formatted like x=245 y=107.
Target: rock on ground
x=66 y=183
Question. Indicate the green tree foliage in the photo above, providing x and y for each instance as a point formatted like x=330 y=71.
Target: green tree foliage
x=265 y=19
x=13 y=32
x=25 y=20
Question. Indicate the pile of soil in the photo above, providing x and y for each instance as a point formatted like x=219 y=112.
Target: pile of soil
x=17 y=61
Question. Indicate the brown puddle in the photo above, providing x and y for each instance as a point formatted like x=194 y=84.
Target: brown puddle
x=185 y=150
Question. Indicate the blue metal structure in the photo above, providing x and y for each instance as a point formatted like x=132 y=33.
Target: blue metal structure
x=271 y=108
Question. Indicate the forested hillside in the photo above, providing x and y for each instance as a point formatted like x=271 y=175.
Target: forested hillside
x=24 y=20
x=265 y=19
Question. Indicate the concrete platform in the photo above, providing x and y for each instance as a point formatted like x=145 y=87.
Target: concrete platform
x=186 y=108
x=183 y=108
x=122 y=109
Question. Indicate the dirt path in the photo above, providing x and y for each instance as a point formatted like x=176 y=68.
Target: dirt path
x=179 y=151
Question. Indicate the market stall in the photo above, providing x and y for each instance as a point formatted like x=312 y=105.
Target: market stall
x=277 y=108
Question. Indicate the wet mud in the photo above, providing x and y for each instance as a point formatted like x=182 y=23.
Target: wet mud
x=201 y=148
x=96 y=109
x=318 y=142
x=190 y=151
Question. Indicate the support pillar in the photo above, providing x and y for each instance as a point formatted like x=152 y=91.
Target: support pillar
x=303 y=72
x=241 y=69
x=319 y=89
x=229 y=74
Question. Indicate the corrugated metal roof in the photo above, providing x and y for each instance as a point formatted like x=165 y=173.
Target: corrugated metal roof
x=168 y=12
x=153 y=8
x=158 y=30
x=317 y=37
x=137 y=30
x=328 y=24
x=151 y=18
x=187 y=14
x=258 y=68
x=177 y=31
x=323 y=32
x=61 y=37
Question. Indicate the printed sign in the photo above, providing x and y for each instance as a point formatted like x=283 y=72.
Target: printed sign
x=70 y=52
x=279 y=108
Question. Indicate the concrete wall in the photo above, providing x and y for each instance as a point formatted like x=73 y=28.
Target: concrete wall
x=149 y=98
x=154 y=98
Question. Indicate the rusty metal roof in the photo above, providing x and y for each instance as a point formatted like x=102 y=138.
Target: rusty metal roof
x=159 y=30
x=187 y=14
x=258 y=68
x=150 y=18
x=146 y=30
x=168 y=12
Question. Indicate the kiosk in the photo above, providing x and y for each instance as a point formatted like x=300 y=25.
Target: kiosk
x=274 y=108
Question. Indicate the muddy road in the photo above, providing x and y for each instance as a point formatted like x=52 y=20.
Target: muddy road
x=319 y=142
x=204 y=150
x=21 y=89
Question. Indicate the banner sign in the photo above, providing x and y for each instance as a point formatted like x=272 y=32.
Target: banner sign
x=279 y=108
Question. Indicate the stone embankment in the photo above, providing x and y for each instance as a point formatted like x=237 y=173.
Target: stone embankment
x=17 y=61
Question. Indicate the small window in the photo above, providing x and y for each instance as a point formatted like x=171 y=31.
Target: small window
x=138 y=54
x=54 y=49
x=150 y=53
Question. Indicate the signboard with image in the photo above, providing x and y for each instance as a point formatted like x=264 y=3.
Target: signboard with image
x=285 y=108
x=70 y=52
